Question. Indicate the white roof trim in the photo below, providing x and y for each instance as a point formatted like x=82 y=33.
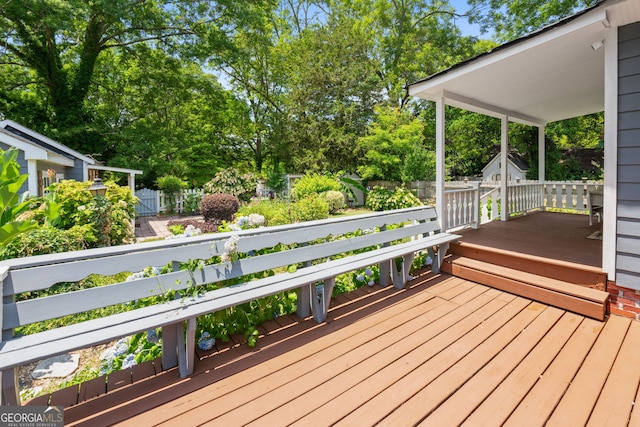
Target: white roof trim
x=30 y=150
x=112 y=169
x=47 y=140
x=549 y=75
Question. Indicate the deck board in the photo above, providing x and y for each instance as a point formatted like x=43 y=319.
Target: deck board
x=444 y=351
x=587 y=384
x=542 y=398
x=618 y=394
x=506 y=378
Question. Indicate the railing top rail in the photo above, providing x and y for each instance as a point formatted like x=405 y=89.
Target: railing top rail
x=67 y=257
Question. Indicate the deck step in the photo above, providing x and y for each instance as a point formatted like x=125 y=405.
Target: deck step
x=569 y=296
x=579 y=274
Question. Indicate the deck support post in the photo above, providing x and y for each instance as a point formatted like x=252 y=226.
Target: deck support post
x=401 y=277
x=186 y=346
x=10 y=389
x=169 y=346
x=321 y=298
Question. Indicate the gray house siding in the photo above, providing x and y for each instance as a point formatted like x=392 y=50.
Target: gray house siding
x=76 y=172
x=628 y=221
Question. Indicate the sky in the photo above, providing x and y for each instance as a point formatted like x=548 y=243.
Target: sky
x=467 y=29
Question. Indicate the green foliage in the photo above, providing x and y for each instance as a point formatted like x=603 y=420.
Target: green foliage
x=309 y=208
x=11 y=204
x=512 y=19
x=47 y=240
x=219 y=207
x=172 y=187
x=313 y=184
x=108 y=218
x=280 y=212
x=276 y=179
x=381 y=199
x=419 y=165
x=192 y=203
x=393 y=136
x=335 y=200
x=230 y=181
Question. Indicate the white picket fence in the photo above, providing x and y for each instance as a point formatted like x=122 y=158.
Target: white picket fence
x=153 y=202
x=481 y=202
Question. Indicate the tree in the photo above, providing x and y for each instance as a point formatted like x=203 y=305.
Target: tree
x=394 y=135
x=50 y=51
x=512 y=19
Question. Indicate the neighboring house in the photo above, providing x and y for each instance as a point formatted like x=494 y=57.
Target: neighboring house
x=46 y=160
x=587 y=63
x=517 y=168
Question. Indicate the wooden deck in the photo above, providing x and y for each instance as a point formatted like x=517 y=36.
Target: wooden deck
x=443 y=352
x=552 y=235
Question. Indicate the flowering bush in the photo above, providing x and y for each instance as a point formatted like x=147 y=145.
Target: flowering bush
x=130 y=351
x=231 y=181
x=279 y=212
x=335 y=200
x=219 y=207
x=381 y=199
x=189 y=231
x=78 y=207
x=206 y=341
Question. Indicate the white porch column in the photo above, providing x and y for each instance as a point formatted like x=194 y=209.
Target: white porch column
x=542 y=158
x=132 y=182
x=440 y=171
x=610 y=193
x=542 y=154
x=32 y=170
x=504 y=170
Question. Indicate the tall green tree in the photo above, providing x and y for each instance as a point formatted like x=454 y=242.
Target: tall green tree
x=50 y=51
x=393 y=137
x=508 y=19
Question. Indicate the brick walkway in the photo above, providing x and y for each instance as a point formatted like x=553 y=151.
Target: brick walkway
x=153 y=227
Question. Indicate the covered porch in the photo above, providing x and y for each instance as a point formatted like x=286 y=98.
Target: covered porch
x=565 y=70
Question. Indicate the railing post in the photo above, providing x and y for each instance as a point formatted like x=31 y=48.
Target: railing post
x=8 y=379
x=476 y=205
x=170 y=341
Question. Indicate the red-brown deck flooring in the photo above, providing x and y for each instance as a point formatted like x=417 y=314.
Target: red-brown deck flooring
x=553 y=235
x=443 y=352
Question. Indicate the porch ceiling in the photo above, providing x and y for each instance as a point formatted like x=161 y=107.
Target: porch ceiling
x=550 y=75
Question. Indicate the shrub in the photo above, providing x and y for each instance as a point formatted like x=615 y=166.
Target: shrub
x=279 y=212
x=219 y=207
x=172 y=187
x=78 y=207
x=314 y=183
x=47 y=240
x=192 y=204
x=381 y=199
x=308 y=209
x=335 y=200
x=230 y=181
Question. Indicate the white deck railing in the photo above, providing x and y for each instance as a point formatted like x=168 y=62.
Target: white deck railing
x=481 y=202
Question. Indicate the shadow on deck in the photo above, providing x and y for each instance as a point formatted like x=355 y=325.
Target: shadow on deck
x=444 y=351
